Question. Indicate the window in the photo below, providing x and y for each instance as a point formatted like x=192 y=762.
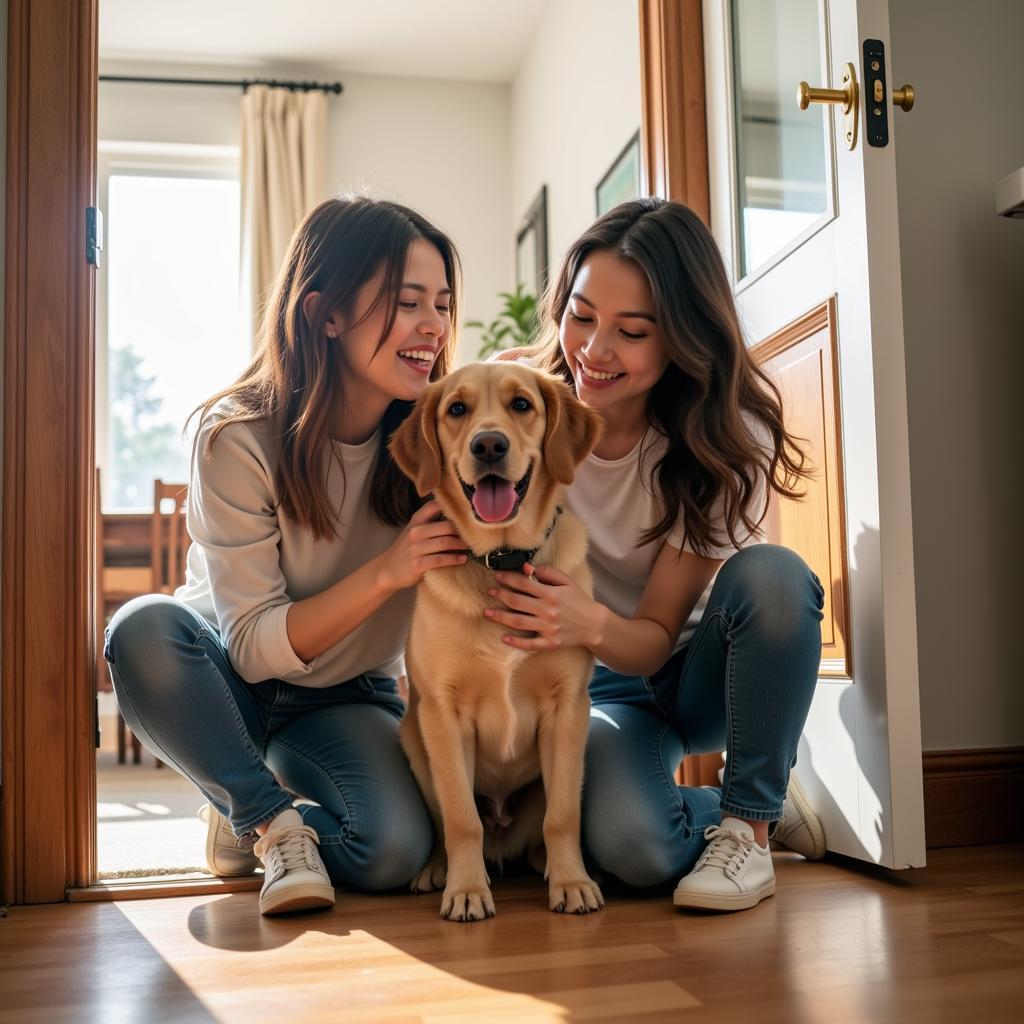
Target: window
x=173 y=331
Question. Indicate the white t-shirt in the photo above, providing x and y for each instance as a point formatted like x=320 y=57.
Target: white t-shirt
x=249 y=561
x=615 y=501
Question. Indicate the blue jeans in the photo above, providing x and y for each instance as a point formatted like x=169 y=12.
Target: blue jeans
x=742 y=684
x=250 y=748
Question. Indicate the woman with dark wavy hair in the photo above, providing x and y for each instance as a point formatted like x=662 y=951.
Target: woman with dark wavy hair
x=272 y=671
x=705 y=639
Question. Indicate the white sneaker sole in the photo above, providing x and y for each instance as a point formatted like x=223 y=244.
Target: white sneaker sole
x=723 y=901
x=310 y=896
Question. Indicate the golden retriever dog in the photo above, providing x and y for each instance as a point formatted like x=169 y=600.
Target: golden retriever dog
x=496 y=735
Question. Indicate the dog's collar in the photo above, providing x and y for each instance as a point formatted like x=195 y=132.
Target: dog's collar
x=512 y=559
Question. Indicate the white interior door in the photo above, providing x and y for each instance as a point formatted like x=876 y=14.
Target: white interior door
x=809 y=228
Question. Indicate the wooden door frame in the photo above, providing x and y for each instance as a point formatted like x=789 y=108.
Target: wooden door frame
x=674 y=144
x=673 y=132
x=47 y=549
x=48 y=785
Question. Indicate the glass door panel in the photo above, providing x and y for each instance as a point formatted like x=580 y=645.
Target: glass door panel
x=782 y=180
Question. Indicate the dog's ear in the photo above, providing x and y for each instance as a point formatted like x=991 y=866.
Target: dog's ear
x=572 y=429
x=415 y=446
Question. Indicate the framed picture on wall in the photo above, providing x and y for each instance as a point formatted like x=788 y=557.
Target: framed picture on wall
x=532 y=246
x=621 y=181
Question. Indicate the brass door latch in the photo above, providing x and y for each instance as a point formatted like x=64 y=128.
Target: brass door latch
x=876 y=119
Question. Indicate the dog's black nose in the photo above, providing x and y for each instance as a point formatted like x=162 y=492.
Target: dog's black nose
x=489 y=446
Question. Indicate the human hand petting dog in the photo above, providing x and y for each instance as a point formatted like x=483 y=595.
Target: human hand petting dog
x=547 y=603
x=425 y=543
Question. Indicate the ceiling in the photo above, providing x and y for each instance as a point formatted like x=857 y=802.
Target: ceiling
x=474 y=40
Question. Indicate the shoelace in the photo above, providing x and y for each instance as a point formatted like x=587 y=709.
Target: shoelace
x=290 y=847
x=727 y=849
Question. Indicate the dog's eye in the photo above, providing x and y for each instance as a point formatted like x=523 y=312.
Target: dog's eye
x=457 y=409
x=521 y=405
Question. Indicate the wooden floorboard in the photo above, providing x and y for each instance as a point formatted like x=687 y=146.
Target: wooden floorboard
x=839 y=942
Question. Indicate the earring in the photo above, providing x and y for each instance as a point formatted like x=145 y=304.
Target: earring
x=331 y=333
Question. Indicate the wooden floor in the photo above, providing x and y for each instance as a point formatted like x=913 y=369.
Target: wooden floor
x=839 y=942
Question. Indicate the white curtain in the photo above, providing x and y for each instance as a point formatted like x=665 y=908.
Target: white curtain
x=284 y=174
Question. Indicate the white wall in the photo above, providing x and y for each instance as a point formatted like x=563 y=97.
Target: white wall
x=443 y=148
x=440 y=147
x=575 y=104
x=963 y=276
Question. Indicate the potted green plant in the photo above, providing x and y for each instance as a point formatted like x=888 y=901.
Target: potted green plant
x=513 y=327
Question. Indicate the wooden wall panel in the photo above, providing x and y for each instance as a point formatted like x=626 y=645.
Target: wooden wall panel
x=802 y=360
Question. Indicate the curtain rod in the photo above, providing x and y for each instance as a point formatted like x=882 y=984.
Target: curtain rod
x=242 y=83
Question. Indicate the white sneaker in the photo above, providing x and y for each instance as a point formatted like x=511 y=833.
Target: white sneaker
x=226 y=854
x=799 y=829
x=296 y=878
x=733 y=872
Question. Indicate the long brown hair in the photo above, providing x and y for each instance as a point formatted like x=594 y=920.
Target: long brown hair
x=711 y=381
x=295 y=382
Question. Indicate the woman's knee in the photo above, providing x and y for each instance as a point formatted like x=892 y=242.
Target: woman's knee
x=148 y=620
x=396 y=855
x=147 y=637
x=761 y=563
x=634 y=846
x=379 y=854
x=626 y=831
x=785 y=592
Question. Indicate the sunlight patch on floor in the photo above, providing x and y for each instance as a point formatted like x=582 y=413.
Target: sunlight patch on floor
x=205 y=939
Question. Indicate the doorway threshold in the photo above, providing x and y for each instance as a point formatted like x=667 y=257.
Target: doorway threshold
x=162 y=886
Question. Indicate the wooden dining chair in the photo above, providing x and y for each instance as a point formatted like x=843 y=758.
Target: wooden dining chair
x=169 y=540
x=109 y=586
x=168 y=545
x=115 y=584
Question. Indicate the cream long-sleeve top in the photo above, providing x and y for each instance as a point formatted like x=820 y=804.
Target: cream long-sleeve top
x=249 y=561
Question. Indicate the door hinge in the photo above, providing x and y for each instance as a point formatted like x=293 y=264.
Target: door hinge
x=93 y=235
x=97 y=723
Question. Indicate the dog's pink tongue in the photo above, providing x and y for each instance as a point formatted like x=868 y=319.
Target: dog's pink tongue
x=494 y=499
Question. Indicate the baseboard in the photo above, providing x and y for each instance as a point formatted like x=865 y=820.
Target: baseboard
x=972 y=797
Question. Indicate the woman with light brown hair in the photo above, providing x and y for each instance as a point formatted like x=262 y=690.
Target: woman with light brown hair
x=271 y=673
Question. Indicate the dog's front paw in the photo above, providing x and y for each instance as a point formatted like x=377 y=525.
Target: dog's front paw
x=467 y=902
x=432 y=876
x=574 y=896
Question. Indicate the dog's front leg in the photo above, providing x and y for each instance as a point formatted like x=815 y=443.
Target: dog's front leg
x=432 y=875
x=562 y=738
x=452 y=753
